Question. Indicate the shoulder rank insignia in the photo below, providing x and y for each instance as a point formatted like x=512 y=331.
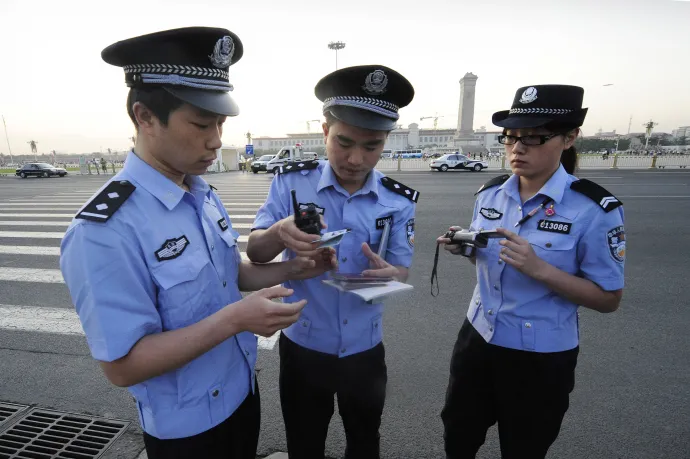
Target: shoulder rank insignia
x=596 y=193
x=293 y=166
x=106 y=203
x=402 y=190
x=499 y=180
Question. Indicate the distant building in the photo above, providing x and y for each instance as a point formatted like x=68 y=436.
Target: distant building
x=683 y=131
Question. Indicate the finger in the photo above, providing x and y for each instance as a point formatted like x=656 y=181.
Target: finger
x=455 y=228
x=511 y=254
x=506 y=259
x=296 y=245
x=313 y=254
x=323 y=222
x=373 y=257
x=286 y=310
x=442 y=240
x=514 y=246
x=383 y=272
x=451 y=247
x=508 y=234
x=297 y=234
x=277 y=291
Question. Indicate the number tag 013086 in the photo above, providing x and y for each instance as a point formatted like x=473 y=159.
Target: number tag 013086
x=553 y=226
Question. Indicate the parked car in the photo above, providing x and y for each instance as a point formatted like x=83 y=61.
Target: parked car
x=456 y=161
x=260 y=164
x=40 y=170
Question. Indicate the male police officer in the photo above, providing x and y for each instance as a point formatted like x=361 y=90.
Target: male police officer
x=335 y=347
x=152 y=262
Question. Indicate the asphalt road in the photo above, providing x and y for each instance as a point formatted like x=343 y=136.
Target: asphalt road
x=631 y=393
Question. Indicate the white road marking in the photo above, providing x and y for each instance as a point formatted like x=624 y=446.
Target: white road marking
x=57 y=235
x=55 y=251
x=66 y=223
x=232 y=217
x=40 y=215
x=46 y=276
x=64 y=321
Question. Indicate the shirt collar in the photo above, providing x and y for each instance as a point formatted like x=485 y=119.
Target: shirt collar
x=328 y=178
x=164 y=189
x=554 y=188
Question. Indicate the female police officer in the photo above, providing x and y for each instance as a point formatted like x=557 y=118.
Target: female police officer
x=563 y=246
x=152 y=262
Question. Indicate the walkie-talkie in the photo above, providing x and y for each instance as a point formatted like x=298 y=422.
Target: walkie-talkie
x=308 y=218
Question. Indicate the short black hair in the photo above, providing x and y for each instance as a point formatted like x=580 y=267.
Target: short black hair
x=156 y=99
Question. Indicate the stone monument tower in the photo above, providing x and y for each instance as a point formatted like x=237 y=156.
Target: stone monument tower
x=468 y=85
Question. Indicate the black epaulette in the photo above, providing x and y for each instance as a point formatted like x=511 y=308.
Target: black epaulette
x=596 y=193
x=293 y=166
x=106 y=203
x=213 y=187
x=402 y=190
x=499 y=180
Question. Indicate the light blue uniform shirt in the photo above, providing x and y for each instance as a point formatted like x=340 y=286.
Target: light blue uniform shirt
x=513 y=310
x=123 y=292
x=335 y=322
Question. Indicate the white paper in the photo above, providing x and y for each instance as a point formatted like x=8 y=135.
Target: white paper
x=370 y=294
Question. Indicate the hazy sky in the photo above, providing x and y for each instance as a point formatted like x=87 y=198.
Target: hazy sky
x=55 y=89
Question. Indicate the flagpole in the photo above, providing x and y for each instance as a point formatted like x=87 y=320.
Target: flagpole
x=8 y=139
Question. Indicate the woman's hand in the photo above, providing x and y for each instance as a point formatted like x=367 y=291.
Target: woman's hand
x=518 y=253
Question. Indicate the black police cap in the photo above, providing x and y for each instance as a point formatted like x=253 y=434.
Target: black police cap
x=190 y=63
x=554 y=106
x=366 y=96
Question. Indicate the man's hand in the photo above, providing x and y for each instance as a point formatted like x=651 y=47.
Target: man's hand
x=455 y=249
x=297 y=240
x=305 y=268
x=379 y=266
x=260 y=315
x=518 y=253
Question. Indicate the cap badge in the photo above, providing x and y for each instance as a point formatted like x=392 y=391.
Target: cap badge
x=530 y=95
x=376 y=83
x=222 y=52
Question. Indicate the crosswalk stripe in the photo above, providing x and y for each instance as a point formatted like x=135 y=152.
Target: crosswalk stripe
x=55 y=252
x=43 y=276
x=31 y=215
x=66 y=223
x=64 y=321
x=57 y=235
x=33 y=203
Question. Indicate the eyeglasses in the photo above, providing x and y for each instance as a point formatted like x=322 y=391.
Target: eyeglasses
x=525 y=139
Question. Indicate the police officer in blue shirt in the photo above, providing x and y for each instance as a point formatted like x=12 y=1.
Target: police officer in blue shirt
x=336 y=346
x=563 y=246
x=152 y=262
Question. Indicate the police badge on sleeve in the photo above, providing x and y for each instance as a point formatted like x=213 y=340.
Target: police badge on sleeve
x=616 y=240
x=409 y=229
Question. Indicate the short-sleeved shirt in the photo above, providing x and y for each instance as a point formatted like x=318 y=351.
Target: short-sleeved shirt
x=513 y=310
x=164 y=260
x=334 y=322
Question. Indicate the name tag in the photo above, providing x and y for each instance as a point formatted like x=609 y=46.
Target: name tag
x=553 y=226
x=381 y=222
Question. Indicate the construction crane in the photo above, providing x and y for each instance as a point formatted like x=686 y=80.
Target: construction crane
x=435 y=118
x=309 y=125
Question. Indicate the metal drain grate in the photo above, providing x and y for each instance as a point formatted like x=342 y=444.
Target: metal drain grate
x=9 y=411
x=46 y=434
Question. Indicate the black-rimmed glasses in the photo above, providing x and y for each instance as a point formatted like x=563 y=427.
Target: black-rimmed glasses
x=525 y=139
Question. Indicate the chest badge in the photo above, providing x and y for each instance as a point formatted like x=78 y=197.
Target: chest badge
x=552 y=226
x=172 y=248
x=490 y=214
x=223 y=224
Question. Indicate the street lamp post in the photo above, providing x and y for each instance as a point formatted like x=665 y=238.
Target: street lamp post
x=336 y=46
x=8 y=140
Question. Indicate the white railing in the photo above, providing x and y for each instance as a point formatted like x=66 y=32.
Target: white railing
x=584 y=162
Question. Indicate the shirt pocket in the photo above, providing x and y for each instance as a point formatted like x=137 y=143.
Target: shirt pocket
x=556 y=249
x=183 y=287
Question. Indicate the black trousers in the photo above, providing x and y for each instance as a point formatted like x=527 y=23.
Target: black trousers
x=308 y=382
x=527 y=393
x=235 y=438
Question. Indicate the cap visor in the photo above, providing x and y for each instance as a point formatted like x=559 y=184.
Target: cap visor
x=363 y=118
x=217 y=102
